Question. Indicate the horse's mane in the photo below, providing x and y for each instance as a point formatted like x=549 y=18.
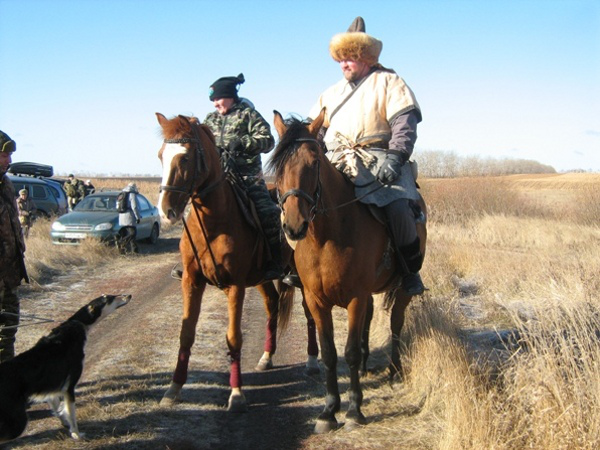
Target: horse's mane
x=287 y=147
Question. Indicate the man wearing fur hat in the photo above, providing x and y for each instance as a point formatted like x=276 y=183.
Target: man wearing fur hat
x=370 y=130
x=242 y=135
x=12 y=247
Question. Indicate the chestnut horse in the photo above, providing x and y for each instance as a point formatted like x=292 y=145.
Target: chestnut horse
x=218 y=247
x=342 y=255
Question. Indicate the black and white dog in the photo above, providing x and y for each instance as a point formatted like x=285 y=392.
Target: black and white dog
x=50 y=370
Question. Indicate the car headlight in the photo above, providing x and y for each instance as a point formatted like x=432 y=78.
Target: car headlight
x=57 y=226
x=103 y=226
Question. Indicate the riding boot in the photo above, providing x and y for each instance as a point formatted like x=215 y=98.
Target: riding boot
x=274 y=267
x=413 y=258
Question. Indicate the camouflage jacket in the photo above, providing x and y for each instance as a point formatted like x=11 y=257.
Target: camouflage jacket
x=12 y=244
x=245 y=123
x=75 y=188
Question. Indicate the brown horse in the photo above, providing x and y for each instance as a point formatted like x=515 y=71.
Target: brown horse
x=218 y=247
x=342 y=254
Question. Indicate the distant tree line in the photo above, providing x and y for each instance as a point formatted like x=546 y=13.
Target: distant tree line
x=441 y=164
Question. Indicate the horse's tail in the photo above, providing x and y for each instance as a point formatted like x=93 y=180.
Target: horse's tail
x=286 y=303
x=390 y=298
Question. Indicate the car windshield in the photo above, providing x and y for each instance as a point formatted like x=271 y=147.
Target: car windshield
x=98 y=203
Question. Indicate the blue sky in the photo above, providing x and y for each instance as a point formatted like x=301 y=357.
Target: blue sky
x=82 y=79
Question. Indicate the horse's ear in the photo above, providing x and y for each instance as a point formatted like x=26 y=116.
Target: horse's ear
x=315 y=125
x=279 y=124
x=162 y=120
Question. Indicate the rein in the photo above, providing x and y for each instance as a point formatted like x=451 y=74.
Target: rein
x=313 y=200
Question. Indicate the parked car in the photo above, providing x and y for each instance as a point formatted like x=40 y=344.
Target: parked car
x=96 y=216
x=49 y=198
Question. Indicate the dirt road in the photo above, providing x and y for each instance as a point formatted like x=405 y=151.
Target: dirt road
x=131 y=355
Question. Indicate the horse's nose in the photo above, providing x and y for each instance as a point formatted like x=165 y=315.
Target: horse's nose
x=295 y=234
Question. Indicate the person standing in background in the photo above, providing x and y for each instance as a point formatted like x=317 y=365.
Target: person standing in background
x=12 y=249
x=26 y=207
x=129 y=217
x=75 y=191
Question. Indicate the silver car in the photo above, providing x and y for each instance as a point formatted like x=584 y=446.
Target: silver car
x=96 y=216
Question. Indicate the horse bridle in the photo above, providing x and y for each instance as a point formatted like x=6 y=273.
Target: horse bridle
x=198 y=168
x=299 y=193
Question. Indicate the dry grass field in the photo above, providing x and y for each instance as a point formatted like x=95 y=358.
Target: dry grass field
x=502 y=352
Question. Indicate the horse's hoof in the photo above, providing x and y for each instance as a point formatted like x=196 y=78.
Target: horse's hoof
x=354 y=421
x=325 y=426
x=237 y=403
x=312 y=366
x=264 y=364
x=172 y=396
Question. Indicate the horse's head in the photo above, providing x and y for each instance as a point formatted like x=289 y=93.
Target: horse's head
x=183 y=158
x=296 y=163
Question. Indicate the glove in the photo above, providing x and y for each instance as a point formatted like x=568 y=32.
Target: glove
x=137 y=221
x=391 y=167
x=235 y=147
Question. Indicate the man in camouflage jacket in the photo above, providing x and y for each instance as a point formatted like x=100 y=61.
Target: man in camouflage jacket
x=75 y=190
x=12 y=247
x=242 y=134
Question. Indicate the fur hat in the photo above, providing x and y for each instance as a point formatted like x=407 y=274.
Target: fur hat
x=356 y=45
x=7 y=145
x=225 y=87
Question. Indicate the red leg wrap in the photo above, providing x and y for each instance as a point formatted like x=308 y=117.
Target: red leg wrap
x=180 y=375
x=271 y=336
x=235 y=376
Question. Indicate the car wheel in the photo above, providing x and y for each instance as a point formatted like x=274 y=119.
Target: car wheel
x=153 y=239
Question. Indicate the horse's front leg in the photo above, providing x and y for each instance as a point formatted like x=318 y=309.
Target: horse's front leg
x=192 y=300
x=357 y=309
x=235 y=305
x=326 y=421
x=312 y=348
x=271 y=299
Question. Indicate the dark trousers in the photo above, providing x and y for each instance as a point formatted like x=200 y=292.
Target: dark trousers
x=401 y=220
x=267 y=210
x=403 y=227
x=9 y=319
x=127 y=242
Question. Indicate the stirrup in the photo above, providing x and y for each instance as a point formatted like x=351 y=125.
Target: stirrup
x=176 y=273
x=292 y=279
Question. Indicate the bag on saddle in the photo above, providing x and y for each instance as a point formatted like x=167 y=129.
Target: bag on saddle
x=123 y=202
